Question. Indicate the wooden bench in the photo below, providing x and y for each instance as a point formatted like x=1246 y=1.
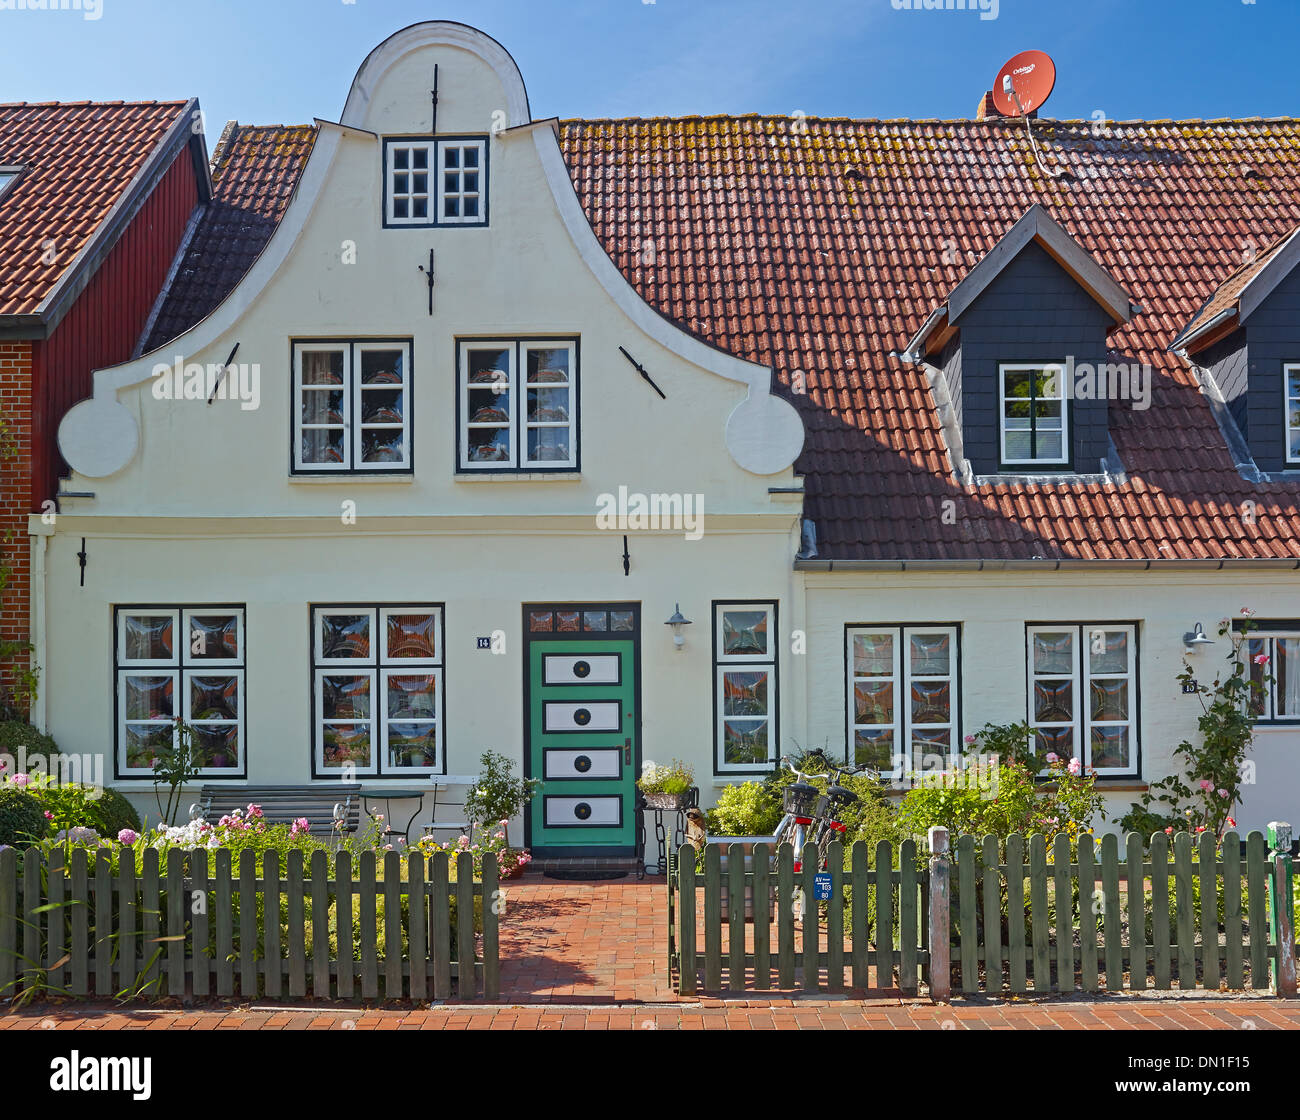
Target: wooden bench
x=285 y=804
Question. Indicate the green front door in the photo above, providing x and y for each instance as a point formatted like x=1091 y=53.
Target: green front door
x=582 y=743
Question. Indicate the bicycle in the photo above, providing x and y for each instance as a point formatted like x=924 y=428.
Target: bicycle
x=831 y=806
x=807 y=808
x=799 y=805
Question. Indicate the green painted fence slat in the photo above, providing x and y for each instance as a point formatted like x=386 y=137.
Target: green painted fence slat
x=1135 y=914
x=8 y=921
x=992 y=917
x=296 y=928
x=32 y=901
x=1016 y=912
x=466 y=981
x=967 y=909
x=686 y=942
x=272 y=959
x=809 y=921
x=56 y=939
x=735 y=917
x=1232 y=925
x=1160 y=935
x=1209 y=916
x=762 y=917
x=176 y=917
x=248 y=939
x=1257 y=903
x=859 y=897
x=492 y=898
x=884 y=930
x=1111 y=912
x=1186 y=916
x=320 y=925
x=198 y=904
x=909 y=920
x=393 y=923
x=225 y=928
x=784 y=916
x=1063 y=897
x=79 y=903
x=835 y=918
x=418 y=912
x=712 y=918
x=367 y=925
x=1088 y=913
x=440 y=927
x=1041 y=920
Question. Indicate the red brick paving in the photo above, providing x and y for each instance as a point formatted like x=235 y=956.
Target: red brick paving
x=592 y=956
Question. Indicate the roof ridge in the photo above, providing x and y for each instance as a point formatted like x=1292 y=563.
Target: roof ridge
x=989 y=121
x=90 y=104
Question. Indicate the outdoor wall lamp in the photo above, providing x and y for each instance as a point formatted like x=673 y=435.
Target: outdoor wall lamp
x=678 y=621
x=1195 y=639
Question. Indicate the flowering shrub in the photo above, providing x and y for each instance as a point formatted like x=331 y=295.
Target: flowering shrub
x=508 y=858
x=675 y=778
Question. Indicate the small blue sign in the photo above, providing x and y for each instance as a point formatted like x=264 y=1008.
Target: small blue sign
x=484 y=643
x=821 y=887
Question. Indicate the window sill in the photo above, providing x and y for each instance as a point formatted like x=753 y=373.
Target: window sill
x=406 y=478
x=519 y=476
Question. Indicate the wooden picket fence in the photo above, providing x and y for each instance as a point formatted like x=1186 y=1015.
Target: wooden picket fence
x=1017 y=914
x=191 y=928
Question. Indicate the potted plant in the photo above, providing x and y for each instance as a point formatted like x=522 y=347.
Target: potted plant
x=497 y=794
x=667 y=787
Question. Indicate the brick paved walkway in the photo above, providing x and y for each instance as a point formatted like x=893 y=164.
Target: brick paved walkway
x=592 y=955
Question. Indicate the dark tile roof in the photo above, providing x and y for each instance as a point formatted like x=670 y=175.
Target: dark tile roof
x=820 y=246
x=255 y=171
x=79 y=158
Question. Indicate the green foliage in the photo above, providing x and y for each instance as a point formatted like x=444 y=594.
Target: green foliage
x=176 y=767
x=18 y=735
x=676 y=777
x=748 y=809
x=111 y=812
x=1203 y=797
x=22 y=820
x=497 y=794
x=1011 y=742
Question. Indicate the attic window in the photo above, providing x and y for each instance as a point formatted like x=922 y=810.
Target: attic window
x=1034 y=415
x=7 y=176
x=435 y=182
x=1291 y=381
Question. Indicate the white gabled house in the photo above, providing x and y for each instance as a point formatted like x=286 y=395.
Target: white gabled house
x=497 y=395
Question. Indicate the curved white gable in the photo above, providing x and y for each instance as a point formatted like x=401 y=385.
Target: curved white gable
x=764 y=434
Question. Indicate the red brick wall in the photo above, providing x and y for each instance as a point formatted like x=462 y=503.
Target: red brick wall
x=15 y=495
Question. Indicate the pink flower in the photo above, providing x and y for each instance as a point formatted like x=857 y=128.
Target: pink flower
x=20 y=780
x=1232 y=823
x=1260 y=659
x=970 y=739
x=1200 y=828
x=499 y=835
x=503 y=823
x=1169 y=831
x=379 y=816
x=126 y=836
x=48 y=815
x=1223 y=793
x=1206 y=784
x=1075 y=767
x=255 y=810
x=1247 y=610
x=463 y=843
x=1052 y=756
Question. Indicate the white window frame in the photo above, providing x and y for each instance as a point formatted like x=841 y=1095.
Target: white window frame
x=462 y=146
x=1289 y=403
x=901 y=729
x=516 y=392
x=745 y=662
x=378 y=667
x=1009 y=367
x=181 y=668
x=391 y=170
x=1081 y=676
x=1270 y=638
x=352 y=390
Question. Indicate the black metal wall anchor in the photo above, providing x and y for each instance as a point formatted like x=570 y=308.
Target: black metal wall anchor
x=642 y=371
x=81 y=559
x=221 y=373
x=627 y=558
x=428 y=275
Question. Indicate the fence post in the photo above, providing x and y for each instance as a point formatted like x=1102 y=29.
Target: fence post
x=940 y=939
x=1283 y=974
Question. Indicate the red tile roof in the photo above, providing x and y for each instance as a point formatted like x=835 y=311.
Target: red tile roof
x=79 y=160
x=255 y=170
x=819 y=246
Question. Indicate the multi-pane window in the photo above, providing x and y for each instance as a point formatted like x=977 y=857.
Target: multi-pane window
x=377 y=690
x=352 y=403
x=902 y=692
x=1034 y=415
x=1291 y=387
x=435 y=182
x=1083 y=693
x=1278 y=699
x=518 y=405
x=178 y=665
x=745 y=697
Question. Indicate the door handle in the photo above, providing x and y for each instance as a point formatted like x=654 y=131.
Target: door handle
x=627 y=752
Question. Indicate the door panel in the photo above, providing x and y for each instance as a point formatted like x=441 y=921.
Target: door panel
x=582 y=741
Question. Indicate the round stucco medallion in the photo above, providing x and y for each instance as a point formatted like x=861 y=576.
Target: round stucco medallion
x=98 y=437
x=764 y=434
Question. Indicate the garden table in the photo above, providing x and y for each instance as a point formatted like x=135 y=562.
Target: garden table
x=389 y=795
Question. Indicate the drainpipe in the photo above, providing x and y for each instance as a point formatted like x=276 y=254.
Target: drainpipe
x=38 y=535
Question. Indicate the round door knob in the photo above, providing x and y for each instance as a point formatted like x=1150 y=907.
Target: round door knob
x=582 y=717
x=582 y=669
x=582 y=764
x=582 y=810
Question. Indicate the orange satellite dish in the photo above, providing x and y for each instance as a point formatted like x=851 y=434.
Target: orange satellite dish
x=1031 y=74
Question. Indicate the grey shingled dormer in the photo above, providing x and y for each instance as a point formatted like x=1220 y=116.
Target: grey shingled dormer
x=1242 y=340
x=1018 y=357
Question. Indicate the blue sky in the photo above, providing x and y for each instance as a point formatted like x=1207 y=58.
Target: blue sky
x=287 y=61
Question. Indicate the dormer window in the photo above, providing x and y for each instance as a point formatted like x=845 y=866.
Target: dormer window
x=1291 y=381
x=435 y=182
x=1034 y=421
